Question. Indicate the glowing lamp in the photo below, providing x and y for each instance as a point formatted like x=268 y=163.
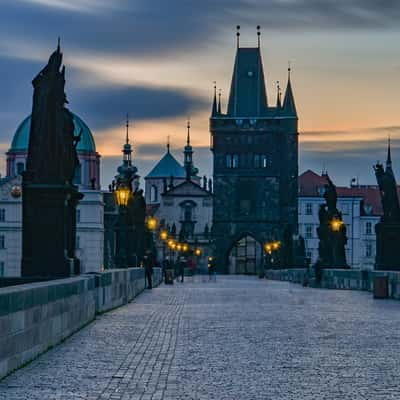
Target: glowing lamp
x=336 y=225
x=179 y=247
x=197 y=252
x=185 y=247
x=152 y=223
x=122 y=196
x=163 y=235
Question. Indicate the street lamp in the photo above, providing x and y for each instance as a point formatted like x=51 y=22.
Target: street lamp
x=152 y=223
x=122 y=194
x=164 y=235
x=197 y=252
x=336 y=224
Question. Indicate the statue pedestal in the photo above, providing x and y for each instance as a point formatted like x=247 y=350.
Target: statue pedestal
x=48 y=238
x=387 y=246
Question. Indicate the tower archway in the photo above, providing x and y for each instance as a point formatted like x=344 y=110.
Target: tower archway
x=245 y=256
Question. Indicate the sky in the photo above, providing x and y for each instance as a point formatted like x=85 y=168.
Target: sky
x=158 y=60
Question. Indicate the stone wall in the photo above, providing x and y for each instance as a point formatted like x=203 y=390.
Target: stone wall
x=37 y=316
x=350 y=279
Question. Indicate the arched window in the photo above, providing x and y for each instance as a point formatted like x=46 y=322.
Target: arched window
x=153 y=194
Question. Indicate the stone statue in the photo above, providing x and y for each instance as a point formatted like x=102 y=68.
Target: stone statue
x=388 y=228
x=52 y=127
x=49 y=196
x=388 y=190
x=331 y=231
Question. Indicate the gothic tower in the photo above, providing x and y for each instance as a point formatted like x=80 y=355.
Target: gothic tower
x=255 y=161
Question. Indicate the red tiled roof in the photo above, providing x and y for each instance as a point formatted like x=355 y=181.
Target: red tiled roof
x=312 y=184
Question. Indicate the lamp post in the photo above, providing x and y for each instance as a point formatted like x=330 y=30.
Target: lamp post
x=122 y=188
x=272 y=247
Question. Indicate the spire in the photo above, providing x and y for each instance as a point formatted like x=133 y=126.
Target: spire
x=278 y=96
x=247 y=97
x=214 y=110
x=58 y=44
x=219 y=101
x=289 y=107
x=188 y=133
x=389 y=155
x=127 y=129
x=168 y=144
x=258 y=35
x=237 y=36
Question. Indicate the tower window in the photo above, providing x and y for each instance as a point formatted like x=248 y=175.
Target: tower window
x=77 y=242
x=2 y=242
x=2 y=214
x=232 y=161
x=368 y=250
x=260 y=161
x=78 y=216
x=309 y=208
x=309 y=231
x=153 y=194
x=2 y=268
x=20 y=168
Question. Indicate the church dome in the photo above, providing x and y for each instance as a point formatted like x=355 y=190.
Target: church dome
x=20 y=140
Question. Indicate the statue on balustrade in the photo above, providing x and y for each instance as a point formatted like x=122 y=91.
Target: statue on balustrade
x=388 y=229
x=331 y=231
x=49 y=196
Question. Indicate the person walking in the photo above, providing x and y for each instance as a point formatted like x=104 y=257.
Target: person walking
x=211 y=268
x=148 y=269
x=182 y=266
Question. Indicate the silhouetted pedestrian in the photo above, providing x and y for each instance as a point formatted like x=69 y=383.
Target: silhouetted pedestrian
x=181 y=268
x=148 y=269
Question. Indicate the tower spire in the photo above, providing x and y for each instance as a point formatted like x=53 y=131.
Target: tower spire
x=188 y=133
x=389 y=156
x=258 y=35
x=289 y=106
x=127 y=129
x=238 y=36
x=214 y=110
x=168 y=143
x=278 y=98
x=219 y=101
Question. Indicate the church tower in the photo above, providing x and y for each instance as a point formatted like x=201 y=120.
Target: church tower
x=255 y=161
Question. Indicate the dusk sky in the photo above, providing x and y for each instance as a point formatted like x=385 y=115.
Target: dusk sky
x=157 y=61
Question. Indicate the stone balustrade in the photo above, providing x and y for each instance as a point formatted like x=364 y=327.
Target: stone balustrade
x=350 y=279
x=37 y=316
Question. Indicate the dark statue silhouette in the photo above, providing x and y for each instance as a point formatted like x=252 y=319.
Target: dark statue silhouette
x=388 y=229
x=331 y=231
x=49 y=197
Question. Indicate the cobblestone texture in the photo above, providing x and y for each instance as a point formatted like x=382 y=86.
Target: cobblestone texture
x=238 y=338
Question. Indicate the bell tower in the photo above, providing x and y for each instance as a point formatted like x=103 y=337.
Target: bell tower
x=255 y=160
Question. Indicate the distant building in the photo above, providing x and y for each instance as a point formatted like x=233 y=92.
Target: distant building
x=180 y=200
x=255 y=160
x=361 y=208
x=90 y=228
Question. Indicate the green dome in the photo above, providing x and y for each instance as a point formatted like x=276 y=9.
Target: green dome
x=21 y=137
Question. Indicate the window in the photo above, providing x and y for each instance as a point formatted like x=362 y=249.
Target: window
x=368 y=250
x=309 y=208
x=2 y=214
x=368 y=228
x=260 y=161
x=78 y=242
x=232 y=161
x=78 y=216
x=20 y=168
x=2 y=242
x=2 y=268
x=153 y=194
x=309 y=231
x=309 y=254
x=345 y=208
x=264 y=161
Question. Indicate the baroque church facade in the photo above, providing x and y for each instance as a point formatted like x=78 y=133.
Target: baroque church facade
x=255 y=164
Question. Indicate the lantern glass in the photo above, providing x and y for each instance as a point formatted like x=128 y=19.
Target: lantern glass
x=122 y=196
x=152 y=223
x=164 y=235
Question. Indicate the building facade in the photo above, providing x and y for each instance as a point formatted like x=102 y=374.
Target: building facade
x=90 y=210
x=255 y=163
x=361 y=208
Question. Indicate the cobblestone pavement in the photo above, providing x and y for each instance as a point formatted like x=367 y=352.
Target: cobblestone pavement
x=238 y=338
